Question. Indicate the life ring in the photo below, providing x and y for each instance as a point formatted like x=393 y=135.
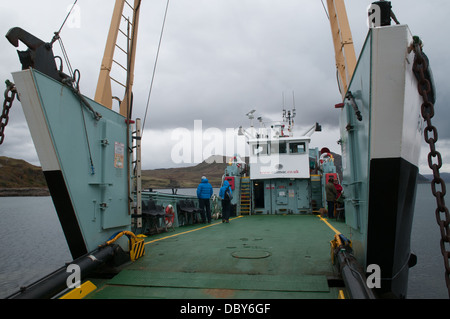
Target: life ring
x=326 y=156
x=170 y=216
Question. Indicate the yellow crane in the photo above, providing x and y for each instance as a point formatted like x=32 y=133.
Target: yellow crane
x=103 y=94
x=343 y=43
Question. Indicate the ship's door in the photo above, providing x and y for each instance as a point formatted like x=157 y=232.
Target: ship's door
x=303 y=195
x=281 y=194
x=258 y=193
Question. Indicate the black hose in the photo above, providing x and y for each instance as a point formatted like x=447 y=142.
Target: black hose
x=56 y=282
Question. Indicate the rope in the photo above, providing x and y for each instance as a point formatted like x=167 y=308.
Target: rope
x=154 y=67
x=87 y=140
x=65 y=55
x=56 y=36
x=76 y=89
x=325 y=10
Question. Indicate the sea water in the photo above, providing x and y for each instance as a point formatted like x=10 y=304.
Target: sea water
x=32 y=244
x=427 y=277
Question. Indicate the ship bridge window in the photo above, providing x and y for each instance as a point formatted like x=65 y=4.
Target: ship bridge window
x=278 y=148
x=260 y=149
x=297 y=147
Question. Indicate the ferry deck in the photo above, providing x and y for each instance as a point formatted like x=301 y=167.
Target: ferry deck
x=252 y=257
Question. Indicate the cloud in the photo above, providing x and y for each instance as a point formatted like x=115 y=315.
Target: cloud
x=18 y=141
x=220 y=59
x=443 y=147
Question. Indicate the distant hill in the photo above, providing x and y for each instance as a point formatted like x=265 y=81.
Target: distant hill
x=19 y=177
x=16 y=173
x=186 y=177
x=428 y=177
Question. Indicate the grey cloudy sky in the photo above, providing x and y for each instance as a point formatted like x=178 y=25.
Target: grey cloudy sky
x=220 y=59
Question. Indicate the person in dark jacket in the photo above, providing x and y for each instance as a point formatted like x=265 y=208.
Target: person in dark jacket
x=204 y=193
x=226 y=195
x=331 y=193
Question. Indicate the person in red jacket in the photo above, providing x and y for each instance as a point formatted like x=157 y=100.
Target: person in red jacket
x=338 y=188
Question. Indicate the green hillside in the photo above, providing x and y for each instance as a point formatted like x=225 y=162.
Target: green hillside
x=15 y=173
x=184 y=177
x=18 y=174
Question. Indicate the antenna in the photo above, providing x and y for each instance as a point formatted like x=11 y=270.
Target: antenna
x=293 y=101
x=289 y=117
x=251 y=116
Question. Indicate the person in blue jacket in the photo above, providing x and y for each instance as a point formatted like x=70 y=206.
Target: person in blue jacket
x=204 y=193
x=226 y=195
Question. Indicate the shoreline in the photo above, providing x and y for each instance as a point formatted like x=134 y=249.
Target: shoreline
x=44 y=192
x=24 y=192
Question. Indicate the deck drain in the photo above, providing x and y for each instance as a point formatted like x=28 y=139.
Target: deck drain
x=250 y=254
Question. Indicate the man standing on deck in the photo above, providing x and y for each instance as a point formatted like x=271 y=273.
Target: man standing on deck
x=226 y=194
x=331 y=193
x=204 y=193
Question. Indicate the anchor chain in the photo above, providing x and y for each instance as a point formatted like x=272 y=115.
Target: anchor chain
x=10 y=94
x=420 y=68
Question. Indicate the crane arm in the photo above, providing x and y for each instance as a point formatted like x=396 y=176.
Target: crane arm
x=343 y=43
x=103 y=94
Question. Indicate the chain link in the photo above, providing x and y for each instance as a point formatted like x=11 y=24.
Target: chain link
x=420 y=68
x=10 y=94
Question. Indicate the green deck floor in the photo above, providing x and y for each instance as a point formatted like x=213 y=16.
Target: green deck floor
x=254 y=257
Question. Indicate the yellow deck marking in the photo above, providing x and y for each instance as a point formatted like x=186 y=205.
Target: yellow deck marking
x=81 y=292
x=337 y=232
x=189 y=231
